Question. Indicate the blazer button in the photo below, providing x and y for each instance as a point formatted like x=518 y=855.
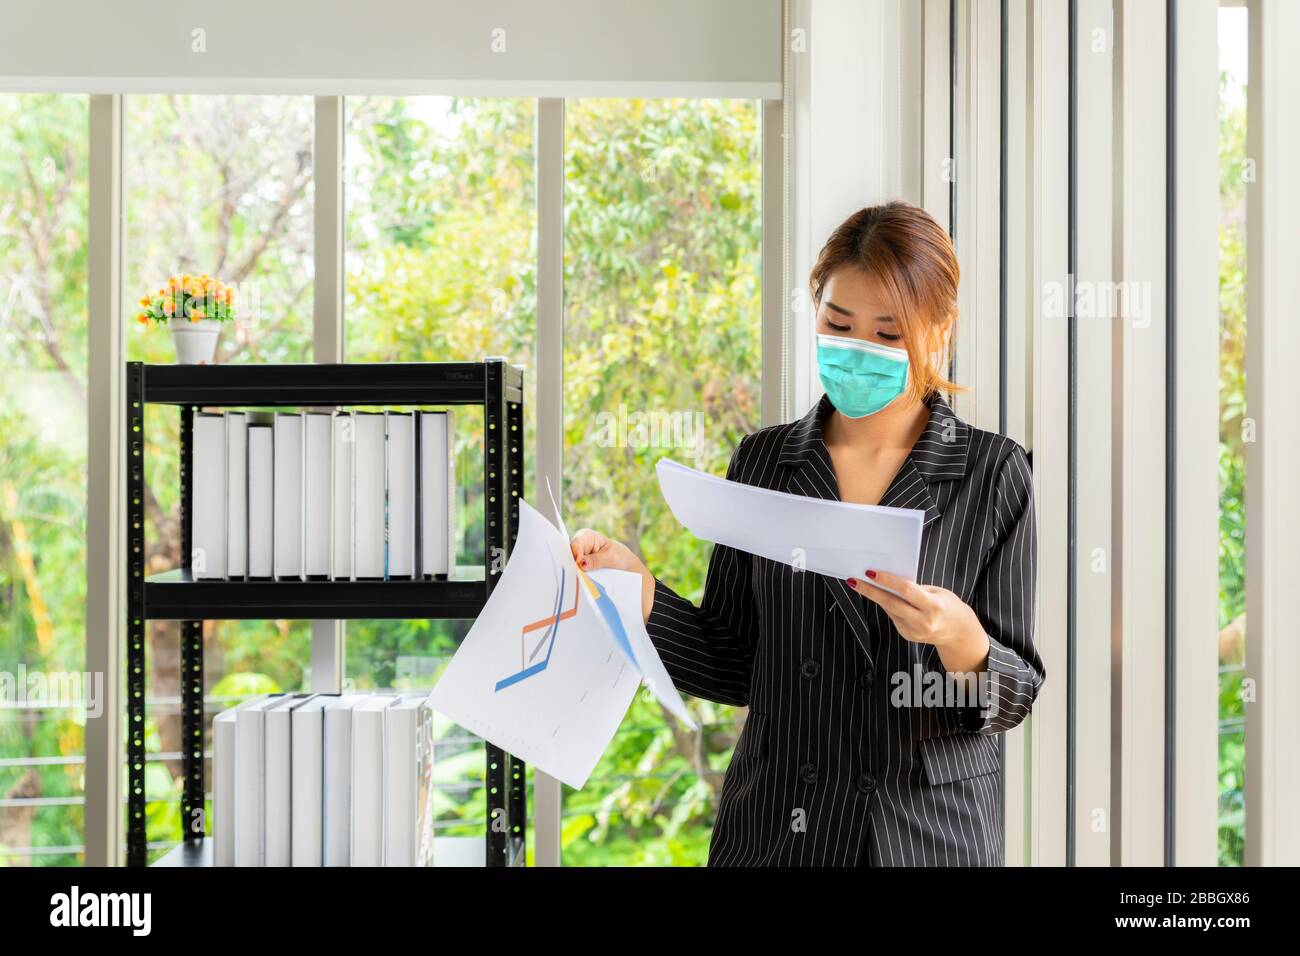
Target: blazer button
x=866 y=782
x=867 y=679
x=810 y=669
x=808 y=773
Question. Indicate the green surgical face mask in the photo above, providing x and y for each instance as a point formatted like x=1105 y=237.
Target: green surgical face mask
x=860 y=377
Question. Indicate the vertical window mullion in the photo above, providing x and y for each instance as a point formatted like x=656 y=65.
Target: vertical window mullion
x=328 y=637
x=1140 y=440
x=105 y=512
x=547 y=796
x=776 y=330
x=1193 y=353
x=1049 y=168
x=1272 y=453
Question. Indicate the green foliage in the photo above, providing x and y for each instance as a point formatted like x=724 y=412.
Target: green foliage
x=43 y=210
x=661 y=272
x=240 y=684
x=1232 y=463
x=662 y=241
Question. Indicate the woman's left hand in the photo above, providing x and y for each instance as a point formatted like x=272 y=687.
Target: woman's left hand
x=929 y=615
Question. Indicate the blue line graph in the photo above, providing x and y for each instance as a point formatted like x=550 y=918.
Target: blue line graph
x=552 y=625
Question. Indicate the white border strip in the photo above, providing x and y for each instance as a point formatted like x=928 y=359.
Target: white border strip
x=1196 y=729
x=1096 y=492
x=979 y=142
x=334 y=86
x=936 y=152
x=1139 y=437
x=106 y=473
x=773 y=397
x=547 y=794
x=1018 y=765
x=1049 y=200
x=1273 y=458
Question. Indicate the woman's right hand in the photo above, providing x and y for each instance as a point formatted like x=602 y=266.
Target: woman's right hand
x=593 y=550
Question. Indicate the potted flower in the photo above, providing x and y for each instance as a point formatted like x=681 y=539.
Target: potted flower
x=194 y=308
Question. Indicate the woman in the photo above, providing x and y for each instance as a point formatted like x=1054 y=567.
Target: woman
x=871 y=735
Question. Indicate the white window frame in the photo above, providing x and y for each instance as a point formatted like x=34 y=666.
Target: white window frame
x=1273 y=458
x=1119 y=505
x=1194 y=314
x=104 y=793
x=104 y=834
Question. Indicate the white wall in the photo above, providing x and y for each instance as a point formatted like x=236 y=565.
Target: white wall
x=551 y=48
x=856 y=90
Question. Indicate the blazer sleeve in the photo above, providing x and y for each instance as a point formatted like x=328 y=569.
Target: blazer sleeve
x=1004 y=603
x=709 y=650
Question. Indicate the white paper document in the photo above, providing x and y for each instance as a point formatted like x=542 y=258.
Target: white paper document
x=552 y=662
x=836 y=538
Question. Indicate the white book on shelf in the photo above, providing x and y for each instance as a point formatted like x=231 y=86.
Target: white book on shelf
x=341 y=452
x=437 y=494
x=368 y=780
x=250 y=780
x=401 y=780
x=399 y=484
x=279 y=780
x=307 y=746
x=261 y=493
x=208 y=497
x=223 y=784
x=368 y=495
x=288 y=501
x=236 y=495
x=336 y=780
x=317 y=501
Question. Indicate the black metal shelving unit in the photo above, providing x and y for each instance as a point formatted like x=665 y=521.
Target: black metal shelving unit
x=493 y=384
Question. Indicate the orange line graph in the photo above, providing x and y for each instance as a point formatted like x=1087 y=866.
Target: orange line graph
x=546 y=622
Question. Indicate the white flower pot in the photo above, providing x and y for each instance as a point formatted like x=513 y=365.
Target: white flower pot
x=196 y=342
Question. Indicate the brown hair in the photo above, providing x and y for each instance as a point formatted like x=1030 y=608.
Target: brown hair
x=911 y=257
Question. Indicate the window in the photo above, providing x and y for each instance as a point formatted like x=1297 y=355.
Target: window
x=217 y=185
x=662 y=254
x=44 y=155
x=662 y=248
x=1233 y=51
x=441 y=266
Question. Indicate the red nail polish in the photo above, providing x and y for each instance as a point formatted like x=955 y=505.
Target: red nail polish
x=871 y=574
x=852 y=582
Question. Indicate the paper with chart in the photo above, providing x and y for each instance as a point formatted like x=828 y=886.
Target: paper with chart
x=551 y=664
x=835 y=538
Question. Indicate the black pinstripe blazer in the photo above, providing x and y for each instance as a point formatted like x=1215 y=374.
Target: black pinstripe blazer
x=842 y=761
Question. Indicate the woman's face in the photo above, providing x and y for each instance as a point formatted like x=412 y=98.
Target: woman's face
x=852 y=306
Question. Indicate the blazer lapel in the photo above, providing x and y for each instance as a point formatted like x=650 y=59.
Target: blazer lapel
x=939 y=455
x=909 y=489
x=813 y=474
